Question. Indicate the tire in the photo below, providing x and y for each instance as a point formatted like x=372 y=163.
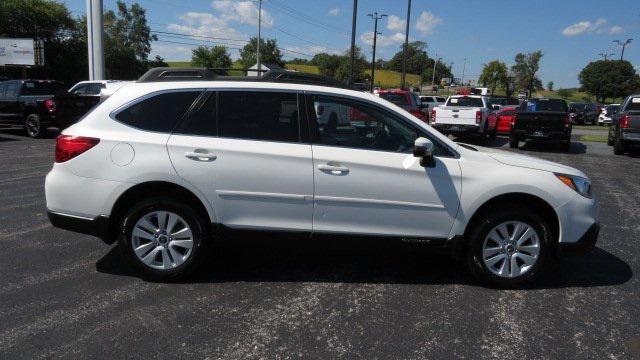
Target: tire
x=162 y=260
x=493 y=135
x=566 y=145
x=609 y=141
x=33 y=126
x=518 y=264
x=513 y=142
x=618 y=146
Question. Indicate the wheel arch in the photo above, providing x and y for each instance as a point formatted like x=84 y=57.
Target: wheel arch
x=147 y=189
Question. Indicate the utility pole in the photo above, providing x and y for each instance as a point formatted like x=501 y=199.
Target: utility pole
x=375 y=17
x=403 y=76
x=259 y=28
x=606 y=55
x=94 y=40
x=433 y=75
x=353 y=41
x=623 y=44
x=464 y=68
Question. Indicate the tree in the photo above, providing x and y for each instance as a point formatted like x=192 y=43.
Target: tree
x=609 y=79
x=442 y=71
x=214 y=57
x=326 y=63
x=550 y=86
x=525 y=69
x=494 y=75
x=269 y=53
x=344 y=65
x=157 y=62
x=565 y=93
x=417 y=59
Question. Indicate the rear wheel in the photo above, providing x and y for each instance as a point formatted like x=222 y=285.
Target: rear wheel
x=508 y=248
x=33 y=126
x=162 y=238
x=566 y=145
x=618 y=146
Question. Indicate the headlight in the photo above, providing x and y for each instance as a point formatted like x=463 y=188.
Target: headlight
x=581 y=185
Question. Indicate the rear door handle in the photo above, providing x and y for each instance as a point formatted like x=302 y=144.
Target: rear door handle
x=200 y=156
x=333 y=169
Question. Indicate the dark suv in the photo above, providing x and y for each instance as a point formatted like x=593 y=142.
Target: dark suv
x=29 y=105
x=624 y=132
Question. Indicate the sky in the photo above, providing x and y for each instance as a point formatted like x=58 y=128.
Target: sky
x=570 y=33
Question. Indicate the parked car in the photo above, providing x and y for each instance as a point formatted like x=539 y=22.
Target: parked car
x=542 y=120
x=605 y=116
x=624 y=132
x=583 y=113
x=465 y=115
x=82 y=97
x=503 y=119
x=429 y=102
x=405 y=99
x=29 y=105
x=169 y=168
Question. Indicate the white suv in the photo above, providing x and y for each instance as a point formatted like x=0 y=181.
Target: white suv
x=168 y=167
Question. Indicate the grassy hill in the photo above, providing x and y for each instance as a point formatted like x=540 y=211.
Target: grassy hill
x=384 y=78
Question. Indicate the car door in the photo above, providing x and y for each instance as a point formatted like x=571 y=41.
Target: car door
x=243 y=150
x=367 y=180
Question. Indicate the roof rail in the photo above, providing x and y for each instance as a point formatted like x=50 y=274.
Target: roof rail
x=162 y=74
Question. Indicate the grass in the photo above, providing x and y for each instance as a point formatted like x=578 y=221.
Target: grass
x=594 y=138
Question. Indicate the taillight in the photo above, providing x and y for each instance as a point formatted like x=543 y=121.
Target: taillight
x=478 y=117
x=514 y=118
x=68 y=147
x=566 y=120
x=624 y=122
x=417 y=113
x=50 y=105
x=433 y=115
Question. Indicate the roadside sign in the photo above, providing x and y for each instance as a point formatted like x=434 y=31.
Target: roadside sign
x=16 y=52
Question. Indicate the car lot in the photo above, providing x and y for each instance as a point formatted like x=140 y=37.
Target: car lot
x=65 y=294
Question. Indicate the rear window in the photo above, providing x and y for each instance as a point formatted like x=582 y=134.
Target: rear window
x=396 y=98
x=441 y=99
x=544 y=105
x=158 y=113
x=634 y=104
x=42 y=88
x=465 y=102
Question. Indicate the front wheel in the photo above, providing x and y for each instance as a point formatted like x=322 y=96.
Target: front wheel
x=33 y=126
x=513 y=142
x=162 y=238
x=508 y=248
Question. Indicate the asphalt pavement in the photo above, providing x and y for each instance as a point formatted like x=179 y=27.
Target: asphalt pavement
x=65 y=295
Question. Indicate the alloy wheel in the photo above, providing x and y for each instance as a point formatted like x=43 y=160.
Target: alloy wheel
x=162 y=240
x=511 y=249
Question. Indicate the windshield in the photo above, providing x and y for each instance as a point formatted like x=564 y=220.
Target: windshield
x=396 y=98
x=465 y=102
x=42 y=87
x=544 y=105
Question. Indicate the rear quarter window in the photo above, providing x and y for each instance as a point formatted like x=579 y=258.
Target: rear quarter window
x=160 y=112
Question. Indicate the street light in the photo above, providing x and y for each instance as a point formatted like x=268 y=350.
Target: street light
x=624 y=45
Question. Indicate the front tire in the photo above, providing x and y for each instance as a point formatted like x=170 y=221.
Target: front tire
x=508 y=248
x=513 y=142
x=162 y=238
x=33 y=126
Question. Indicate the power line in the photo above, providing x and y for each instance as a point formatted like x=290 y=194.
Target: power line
x=306 y=18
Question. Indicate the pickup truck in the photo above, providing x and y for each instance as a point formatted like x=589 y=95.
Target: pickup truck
x=465 y=115
x=541 y=120
x=624 y=131
x=29 y=105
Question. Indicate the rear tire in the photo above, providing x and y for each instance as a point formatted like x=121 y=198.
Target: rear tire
x=511 y=259
x=566 y=145
x=618 y=146
x=33 y=126
x=167 y=250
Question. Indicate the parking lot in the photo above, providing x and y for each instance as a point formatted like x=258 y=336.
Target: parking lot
x=69 y=295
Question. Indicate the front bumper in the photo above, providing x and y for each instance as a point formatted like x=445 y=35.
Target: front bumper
x=583 y=245
x=98 y=226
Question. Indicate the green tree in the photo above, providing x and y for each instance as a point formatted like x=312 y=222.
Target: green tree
x=344 y=65
x=214 y=57
x=525 y=71
x=417 y=59
x=442 y=71
x=326 y=63
x=565 y=93
x=609 y=79
x=550 y=86
x=269 y=53
x=494 y=75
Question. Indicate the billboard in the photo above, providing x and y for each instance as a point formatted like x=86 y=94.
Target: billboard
x=16 y=52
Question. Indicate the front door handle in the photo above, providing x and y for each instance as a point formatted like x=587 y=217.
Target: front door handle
x=200 y=155
x=333 y=169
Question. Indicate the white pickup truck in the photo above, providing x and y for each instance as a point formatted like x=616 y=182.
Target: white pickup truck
x=465 y=115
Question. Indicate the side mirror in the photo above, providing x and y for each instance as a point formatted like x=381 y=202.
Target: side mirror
x=495 y=107
x=423 y=148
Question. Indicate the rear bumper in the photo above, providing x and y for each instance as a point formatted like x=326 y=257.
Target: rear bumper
x=583 y=245
x=541 y=135
x=457 y=129
x=631 y=136
x=98 y=226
